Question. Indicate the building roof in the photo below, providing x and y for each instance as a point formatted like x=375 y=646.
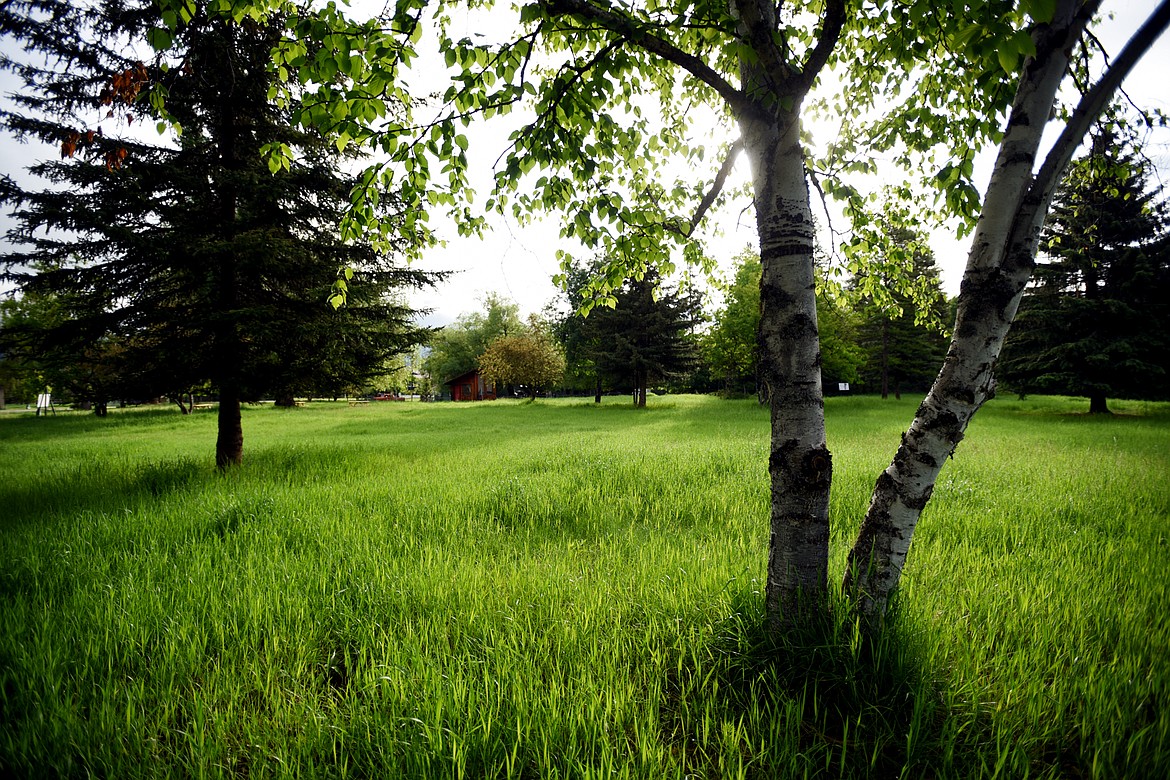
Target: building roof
x=462 y=377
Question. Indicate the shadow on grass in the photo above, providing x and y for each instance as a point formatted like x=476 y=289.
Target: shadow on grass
x=98 y=486
x=825 y=699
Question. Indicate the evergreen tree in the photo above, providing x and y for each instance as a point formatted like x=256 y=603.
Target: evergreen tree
x=646 y=336
x=902 y=311
x=1096 y=320
x=578 y=335
x=191 y=256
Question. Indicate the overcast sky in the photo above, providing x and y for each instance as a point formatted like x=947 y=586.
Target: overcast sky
x=518 y=262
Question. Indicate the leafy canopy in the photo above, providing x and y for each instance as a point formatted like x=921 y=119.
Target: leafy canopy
x=628 y=111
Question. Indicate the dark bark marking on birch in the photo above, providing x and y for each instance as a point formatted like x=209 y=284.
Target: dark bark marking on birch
x=917 y=503
x=964 y=395
x=944 y=420
x=789 y=250
x=817 y=466
x=927 y=459
x=799 y=326
x=1019 y=119
x=774 y=297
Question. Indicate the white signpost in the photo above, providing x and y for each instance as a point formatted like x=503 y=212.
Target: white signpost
x=45 y=404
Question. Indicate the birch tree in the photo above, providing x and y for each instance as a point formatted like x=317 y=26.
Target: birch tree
x=608 y=92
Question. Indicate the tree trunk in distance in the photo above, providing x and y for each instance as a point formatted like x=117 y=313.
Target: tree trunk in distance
x=229 y=443
x=1098 y=404
x=885 y=359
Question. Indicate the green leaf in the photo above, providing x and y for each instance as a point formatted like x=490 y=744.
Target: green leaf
x=1008 y=58
x=159 y=38
x=1041 y=11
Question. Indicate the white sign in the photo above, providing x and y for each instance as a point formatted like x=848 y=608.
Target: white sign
x=44 y=401
x=843 y=386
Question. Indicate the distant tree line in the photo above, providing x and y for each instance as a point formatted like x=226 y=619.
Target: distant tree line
x=182 y=269
x=1094 y=323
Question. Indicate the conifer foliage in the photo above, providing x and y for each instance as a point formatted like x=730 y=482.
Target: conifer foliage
x=645 y=334
x=192 y=256
x=1096 y=320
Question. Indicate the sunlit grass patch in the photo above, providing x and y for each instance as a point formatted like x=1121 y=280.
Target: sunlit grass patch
x=559 y=590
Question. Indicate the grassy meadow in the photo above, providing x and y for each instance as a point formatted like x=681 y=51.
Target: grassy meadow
x=557 y=590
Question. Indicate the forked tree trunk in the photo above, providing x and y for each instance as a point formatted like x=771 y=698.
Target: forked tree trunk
x=998 y=268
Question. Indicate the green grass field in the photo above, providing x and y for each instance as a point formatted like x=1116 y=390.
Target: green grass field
x=556 y=590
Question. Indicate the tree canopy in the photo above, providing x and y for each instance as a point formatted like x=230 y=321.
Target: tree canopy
x=189 y=259
x=456 y=348
x=531 y=361
x=901 y=334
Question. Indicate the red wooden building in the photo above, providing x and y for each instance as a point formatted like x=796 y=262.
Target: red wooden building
x=471 y=387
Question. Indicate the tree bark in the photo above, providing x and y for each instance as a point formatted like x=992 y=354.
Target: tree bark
x=998 y=267
x=800 y=465
x=1098 y=404
x=640 y=380
x=229 y=442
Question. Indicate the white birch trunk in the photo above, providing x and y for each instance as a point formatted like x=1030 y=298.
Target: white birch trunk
x=799 y=465
x=998 y=267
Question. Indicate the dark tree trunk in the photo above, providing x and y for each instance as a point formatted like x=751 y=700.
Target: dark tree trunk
x=640 y=380
x=1098 y=404
x=285 y=399
x=885 y=359
x=100 y=408
x=229 y=444
x=597 y=393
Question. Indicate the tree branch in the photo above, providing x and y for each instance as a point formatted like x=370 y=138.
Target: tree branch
x=628 y=28
x=712 y=193
x=826 y=42
x=1093 y=102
